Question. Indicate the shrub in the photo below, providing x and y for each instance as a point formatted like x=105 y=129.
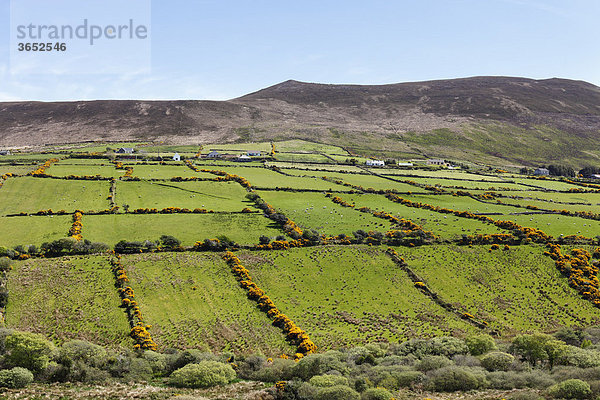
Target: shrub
x=191 y=356
x=429 y=363
x=497 y=361
x=527 y=395
x=536 y=379
x=376 y=394
x=202 y=375
x=28 y=350
x=170 y=242
x=279 y=370
x=81 y=350
x=578 y=357
x=5 y=263
x=480 y=344
x=328 y=380
x=3 y=296
x=337 y=393
x=15 y=378
x=451 y=379
x=318 y=364
x=570 y=389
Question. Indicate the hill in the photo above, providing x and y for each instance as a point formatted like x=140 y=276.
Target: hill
x=486 y=119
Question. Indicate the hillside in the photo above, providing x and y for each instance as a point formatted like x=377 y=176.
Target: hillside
x=487 y=119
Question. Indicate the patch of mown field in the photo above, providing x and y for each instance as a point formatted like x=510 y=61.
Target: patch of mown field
x=450 y=183
x=265 y=178
x=442 y=173
x=217 y=196
x=372 y=181
x=515 y=290
x=244 y=229
x=554 y=206
x=447 y=226
x=315 y=211
x=192 y=300
x=64 y=169
x=348 y=295
x=264 y=147
x=300 y=146
x=33 y=230
x=67 y=298
x=16 y=169
x=292 y=168
x=157 y=171
x=30 y=195
x=589 y=198
x=544 y=183
x=463 y=203
x=557 y=225
x=302 y=157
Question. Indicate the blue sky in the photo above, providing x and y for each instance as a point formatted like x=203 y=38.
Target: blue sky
x=223 y=49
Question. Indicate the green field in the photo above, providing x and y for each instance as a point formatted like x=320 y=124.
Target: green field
x=189 y=228
x=217 y=196
x=16 y=169
x=192 y=300
x=64 y=169
x=67 y=298
x=30 y=195
x=315 y=211
x=33 y=229
x=157 y=171
x=349 y=295
x=513 y=290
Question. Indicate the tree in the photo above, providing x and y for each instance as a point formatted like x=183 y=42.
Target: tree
x=538 y=348
x=170 y=242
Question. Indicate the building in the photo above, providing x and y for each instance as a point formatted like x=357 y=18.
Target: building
x=405 y=164
x=375 y=163
x=253 y=153
x=4 y=152
x=243 y=158
x=436 y=161
x=125 y=150
x=176 y=157
x=213 y=154
x=541 y=171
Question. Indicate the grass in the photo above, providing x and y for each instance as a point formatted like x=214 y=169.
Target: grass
x=217 y=196
x=302 y=146
x=189 y=228
x=30 y=195
x=315 y=211
x=33 y=229
x=106 y=171
x=298 y=169
x=16 y=169
x=157 y=171
x=444 y=225
x=67 y=298
x=518 y=290
x=192 y=300
x=346 y=296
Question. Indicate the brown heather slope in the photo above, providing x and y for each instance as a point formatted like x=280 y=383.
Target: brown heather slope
x=489 y=119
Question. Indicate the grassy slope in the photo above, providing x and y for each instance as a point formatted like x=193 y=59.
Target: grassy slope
x=348 y=295
x=33 y=230
x=193 y=300
x=315 y=211
x=35 y=194
x=189 y=228
x=515 y=290
x=67 y=298
x=217 y=196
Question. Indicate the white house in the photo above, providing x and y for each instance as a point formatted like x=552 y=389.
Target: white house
x=176 y=157
x=436 y=161
x=125 y=150
x=213 y=154
x=375 y=163
x=541 y=171
x=4 y=152
x=253 y=153
x=243 y=158
x=405 y=164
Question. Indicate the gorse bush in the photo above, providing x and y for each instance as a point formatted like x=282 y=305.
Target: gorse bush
x=15 y=378
x=202 y=375
x=570 y=389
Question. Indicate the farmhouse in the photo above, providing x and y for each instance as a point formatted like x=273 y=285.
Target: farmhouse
x=253 y=153
x=405 y=164
x=125 y=150
x=4 y=152
x=243 y=158
x=436 y=161
x=375 y=163
x=541 y=171
x=213 y=154
x=176 y=157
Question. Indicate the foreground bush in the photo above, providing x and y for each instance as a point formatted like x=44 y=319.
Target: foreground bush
x=497 y=361
x=452 y=379
x=337 y=393
x=28 y=350
x=15 y=378
x=376 y=394
x=203 y=375
x=571 y=389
